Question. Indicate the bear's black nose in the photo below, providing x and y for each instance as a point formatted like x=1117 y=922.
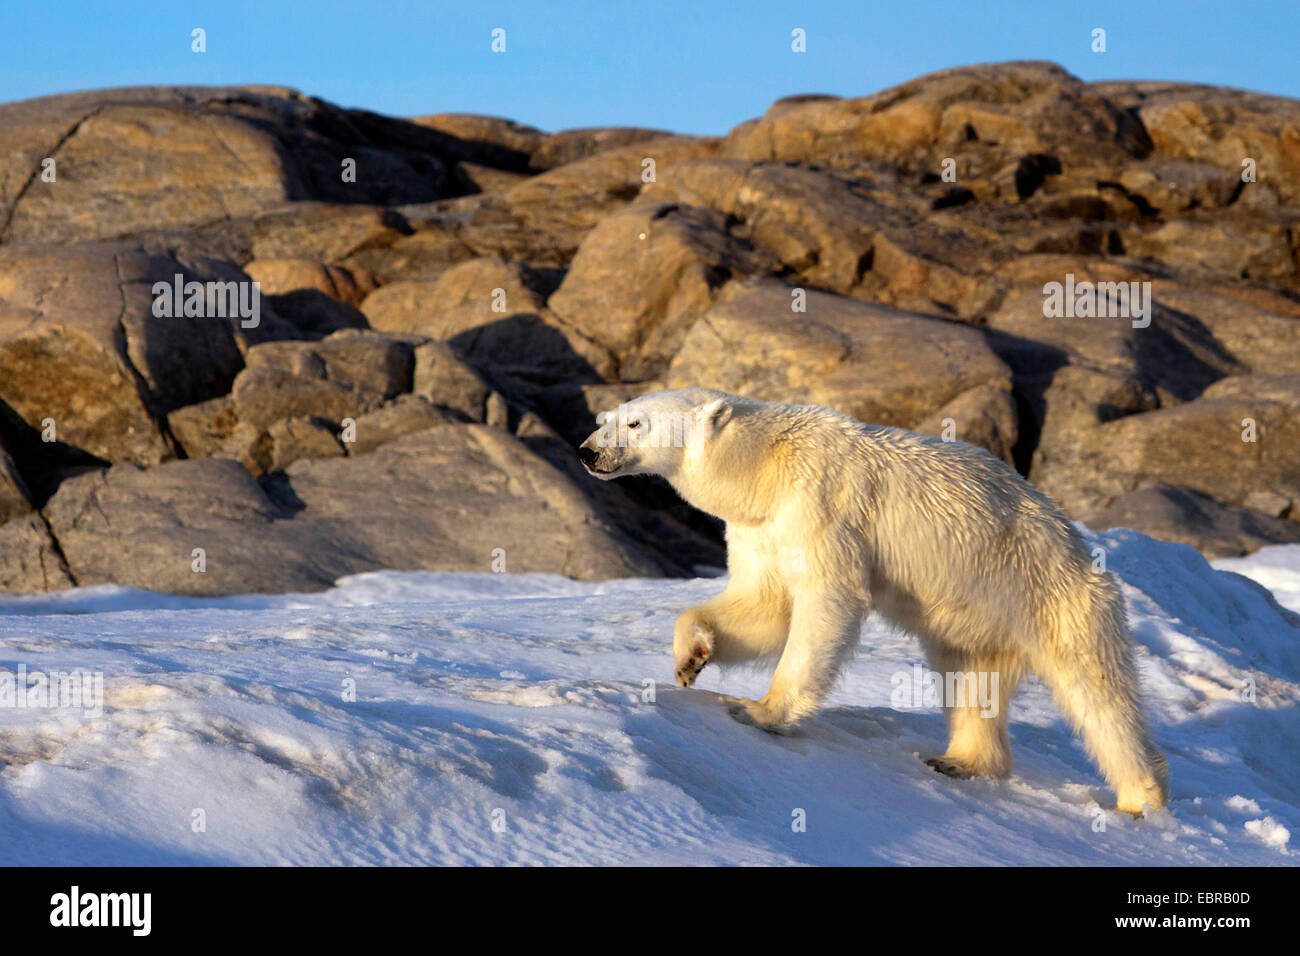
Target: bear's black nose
x=587 y=455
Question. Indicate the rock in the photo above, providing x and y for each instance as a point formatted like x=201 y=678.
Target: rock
x=1271 y=503
x=1258 y=328
x=473 y=178
x=540 y=221
x=878 y=364
x=140 y=528
x=489 y=140
x=1219 y=127
x=812 y=223
x=1176 y=186
x=314 y=314
x=343 y=376
x=422 y=253
x=250 y=445
x=321 y=232
x=80 y=344
x=1202 y=445
x=984 y=415
x=1179 y=514
x=302 y=437
x=479 y=269
x=29 y=559
x=443 y=499
x=284 y=276
x=402 y=416
x=492 y=313
x=1222 y=246
x=571 y=145
x=15 y=499
x=837 y=234
x=988 y=118
x=211 y=153
x=204 y=428
x=443 y=379
x=679 y=256
x=1072 y=373
x=468 y=294
x=496 y=412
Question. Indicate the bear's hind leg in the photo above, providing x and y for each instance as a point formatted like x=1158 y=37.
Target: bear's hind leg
x=1101 y=701
x=976 y=692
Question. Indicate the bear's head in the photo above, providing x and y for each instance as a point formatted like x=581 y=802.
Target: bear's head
x=654 y=434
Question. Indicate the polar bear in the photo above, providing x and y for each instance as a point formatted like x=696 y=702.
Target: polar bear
x=828 y=518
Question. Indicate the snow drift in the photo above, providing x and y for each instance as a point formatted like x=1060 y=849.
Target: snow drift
x=465 y=718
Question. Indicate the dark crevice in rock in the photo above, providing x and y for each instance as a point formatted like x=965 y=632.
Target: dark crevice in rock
x=1131 y=134
x=58 y=553
x=1032 y=171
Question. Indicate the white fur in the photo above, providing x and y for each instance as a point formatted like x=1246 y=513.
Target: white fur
x=828 y=518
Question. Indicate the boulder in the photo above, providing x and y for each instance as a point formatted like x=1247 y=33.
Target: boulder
x=129 y=160
x=836 y=233
x=443 y=379
x=1180 y=514
x=203 y=429
x=1236 y=440
x=82 y=345
x=402 y=416
x=302 y=437
x=878 y=364
x=473 y=178
x=343 y=376
x=540 y=220
x=492 y=313
x=278 y=276
x=1221 y=128
x=676 y=257
x=994 y=120
x=453 y=497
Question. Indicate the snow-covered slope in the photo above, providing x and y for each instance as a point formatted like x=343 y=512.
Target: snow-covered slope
x=533 y=719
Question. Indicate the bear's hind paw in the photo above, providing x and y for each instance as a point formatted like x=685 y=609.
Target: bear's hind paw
x=950 y=768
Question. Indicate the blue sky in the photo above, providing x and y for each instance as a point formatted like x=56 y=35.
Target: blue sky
x=698 y=67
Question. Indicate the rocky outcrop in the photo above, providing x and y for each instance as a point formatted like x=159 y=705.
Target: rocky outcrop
x=446 y=303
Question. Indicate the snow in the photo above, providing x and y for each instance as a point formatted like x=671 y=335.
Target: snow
x=532 y=719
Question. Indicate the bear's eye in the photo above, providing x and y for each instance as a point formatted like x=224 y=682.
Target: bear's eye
x=634 y=426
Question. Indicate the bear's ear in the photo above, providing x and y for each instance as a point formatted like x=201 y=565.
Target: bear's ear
x=715 y=414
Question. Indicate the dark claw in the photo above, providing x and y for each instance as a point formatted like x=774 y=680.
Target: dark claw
x=949 y=768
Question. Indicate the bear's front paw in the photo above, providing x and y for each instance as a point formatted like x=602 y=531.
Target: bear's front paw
x=756 y=714
x=692 y=650
x=687 y=669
